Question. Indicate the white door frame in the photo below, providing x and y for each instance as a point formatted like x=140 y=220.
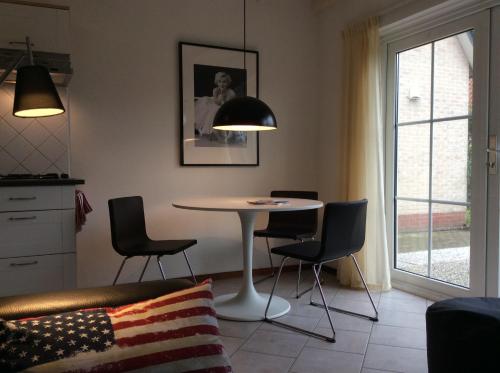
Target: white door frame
x=480 y=22
x=493 y=248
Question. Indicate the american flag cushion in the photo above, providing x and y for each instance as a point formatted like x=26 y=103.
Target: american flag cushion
x=177 y=332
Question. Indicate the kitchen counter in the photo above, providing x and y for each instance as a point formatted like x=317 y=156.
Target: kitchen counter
x=39 y=182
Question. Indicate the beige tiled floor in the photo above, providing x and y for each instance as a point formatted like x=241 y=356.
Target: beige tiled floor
x=394 y=344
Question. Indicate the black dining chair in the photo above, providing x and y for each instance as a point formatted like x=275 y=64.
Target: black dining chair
x=129 y=237
x=343 y=234
x=295 y=225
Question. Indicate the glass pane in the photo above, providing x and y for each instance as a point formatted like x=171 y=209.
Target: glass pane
x=451 y=161
x=450 y=257
x=412 y=236
x=414 y=84
x=413 y=157
x=453 y=63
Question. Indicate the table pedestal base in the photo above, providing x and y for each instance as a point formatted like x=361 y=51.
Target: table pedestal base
x=247 y=304
x=233 y=307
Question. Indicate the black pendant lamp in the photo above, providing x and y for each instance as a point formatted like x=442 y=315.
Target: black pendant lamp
x=244 y=113
x=36 y=94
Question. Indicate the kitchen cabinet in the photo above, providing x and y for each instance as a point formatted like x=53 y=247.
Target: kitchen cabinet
x=37 y=238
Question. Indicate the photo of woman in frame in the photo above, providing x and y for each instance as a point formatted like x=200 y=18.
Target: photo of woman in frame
x=213 y=86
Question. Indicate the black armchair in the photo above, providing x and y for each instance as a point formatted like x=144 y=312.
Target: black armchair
x=129 y=237
x=343 y=234
x=294 y=225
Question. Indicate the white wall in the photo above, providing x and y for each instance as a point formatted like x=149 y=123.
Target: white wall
x=125 y=121
x=125 y=115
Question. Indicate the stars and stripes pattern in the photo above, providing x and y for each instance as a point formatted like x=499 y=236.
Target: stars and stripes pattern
x=175 y=333
x=37 y=341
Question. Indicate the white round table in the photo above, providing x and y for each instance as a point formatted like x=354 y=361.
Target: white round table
x=247 y=304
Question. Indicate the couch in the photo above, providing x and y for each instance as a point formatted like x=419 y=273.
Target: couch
x=34 y=305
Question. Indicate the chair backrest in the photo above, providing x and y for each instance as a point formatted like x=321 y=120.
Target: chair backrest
x=128 y=226
x=343 y=232
x=305 y=220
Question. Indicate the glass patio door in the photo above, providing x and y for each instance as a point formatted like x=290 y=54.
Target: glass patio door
x=437 y=136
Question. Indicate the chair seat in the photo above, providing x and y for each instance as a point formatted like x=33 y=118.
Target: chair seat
x=307 y=251
x=293 y=234
x=165 y=247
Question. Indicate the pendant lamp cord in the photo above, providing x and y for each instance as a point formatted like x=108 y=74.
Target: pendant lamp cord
x=30 y=53
x=245 y=34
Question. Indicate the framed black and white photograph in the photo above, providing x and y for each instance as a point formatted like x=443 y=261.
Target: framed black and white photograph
x=209 y=77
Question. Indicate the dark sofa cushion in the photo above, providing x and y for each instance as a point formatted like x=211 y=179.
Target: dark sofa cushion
x=33 y=305
x=463 y=335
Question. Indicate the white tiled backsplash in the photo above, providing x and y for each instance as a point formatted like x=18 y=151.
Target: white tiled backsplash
x=34 y=145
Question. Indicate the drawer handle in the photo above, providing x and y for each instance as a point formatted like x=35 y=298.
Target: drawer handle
x=24 y=264
x=22 y=218
x=22 y=198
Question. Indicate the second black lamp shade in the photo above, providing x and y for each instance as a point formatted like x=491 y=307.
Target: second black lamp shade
x=36 y=94
x=244 y=114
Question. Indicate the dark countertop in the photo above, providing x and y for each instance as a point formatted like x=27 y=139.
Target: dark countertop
x=39 y=182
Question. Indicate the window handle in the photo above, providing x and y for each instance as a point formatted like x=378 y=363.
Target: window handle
x=492 y=154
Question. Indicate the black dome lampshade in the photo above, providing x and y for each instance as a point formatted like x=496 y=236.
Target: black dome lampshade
x=245 y=114
x=36 y=94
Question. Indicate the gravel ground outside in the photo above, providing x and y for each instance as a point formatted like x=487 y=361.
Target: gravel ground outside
x=450 y=265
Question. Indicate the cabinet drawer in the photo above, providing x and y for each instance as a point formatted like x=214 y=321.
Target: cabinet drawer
x=30 y=198
x=32 y=232
x=34 y=274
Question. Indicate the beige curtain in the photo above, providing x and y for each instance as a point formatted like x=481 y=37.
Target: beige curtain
x=364 y=154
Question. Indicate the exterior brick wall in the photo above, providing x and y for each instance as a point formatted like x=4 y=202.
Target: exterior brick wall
x=452 y=97
x=440 y=221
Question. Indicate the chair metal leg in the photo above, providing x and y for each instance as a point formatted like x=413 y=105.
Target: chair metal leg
x=144 y=269
x=308 y=289
x=270 y=256
x=340 y=310
x=314 y=286
x=120 y=270
x=189 y=266
x=270 y=262
x=291 y=327
x=274 y=286
x=298 y=279
x=298 y=293
x=161 y=267
x=366 y=287
x=316 y=276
